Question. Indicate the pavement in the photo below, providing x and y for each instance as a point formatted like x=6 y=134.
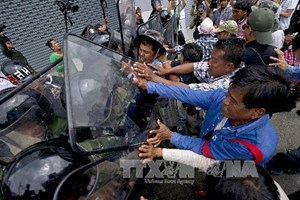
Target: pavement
x=288 y=126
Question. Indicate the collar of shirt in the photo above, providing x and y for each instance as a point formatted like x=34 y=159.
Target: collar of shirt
x=228 y=75
x=248 y=126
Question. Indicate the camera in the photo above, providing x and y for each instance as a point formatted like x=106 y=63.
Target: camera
x=2 y=27
x=67 y=5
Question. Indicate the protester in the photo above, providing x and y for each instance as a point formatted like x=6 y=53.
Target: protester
x=226 y=29
x=237 y=123
x=241 y=11
x=204 y=38
x=150 y=50
x=223 y=13
x=258 y=34
x=257 y=185
x=213 y=74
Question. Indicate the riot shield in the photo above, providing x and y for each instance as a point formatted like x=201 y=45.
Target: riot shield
x=99 y=94
x=153 y=23
x=164 y=23
x=126 y=9
x=170 y=32
x=31 y=113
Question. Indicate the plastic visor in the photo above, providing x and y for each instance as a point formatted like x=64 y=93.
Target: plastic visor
x=100 y=92
x=25 y=131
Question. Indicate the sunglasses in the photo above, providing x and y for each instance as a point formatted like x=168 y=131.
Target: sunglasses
x=245 y=26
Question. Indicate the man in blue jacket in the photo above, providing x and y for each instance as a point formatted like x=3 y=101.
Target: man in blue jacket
x=237 y=123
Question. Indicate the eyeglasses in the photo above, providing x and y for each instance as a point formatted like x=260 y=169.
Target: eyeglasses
x=245 y=26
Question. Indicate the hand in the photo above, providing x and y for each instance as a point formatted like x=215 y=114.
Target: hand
x=160 y=71
x=105 y=20
x=280 y=61
x=140 y=82
x=162 y=134
x=126 y=67
x=289 y=38
x=149 y=152
x=142 y=70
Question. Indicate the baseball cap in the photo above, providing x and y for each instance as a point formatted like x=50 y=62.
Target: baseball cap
x=261 y=21
x=229 y=26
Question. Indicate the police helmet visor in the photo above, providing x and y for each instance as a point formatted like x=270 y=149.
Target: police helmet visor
x=25 y=131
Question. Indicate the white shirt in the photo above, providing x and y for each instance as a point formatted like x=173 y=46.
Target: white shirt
x=287 y=5
x=278 y=39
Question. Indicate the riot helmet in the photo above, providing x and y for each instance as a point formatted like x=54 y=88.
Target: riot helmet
x=37 y=171
x=100 y=37
x=24 y=120
x=15 y=71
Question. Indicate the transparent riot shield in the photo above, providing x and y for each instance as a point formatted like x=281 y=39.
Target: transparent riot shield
x=127 y=22
x=31 y=112
x=153 y=23
x=170 y=32
x=126 y=9
x=100 y=95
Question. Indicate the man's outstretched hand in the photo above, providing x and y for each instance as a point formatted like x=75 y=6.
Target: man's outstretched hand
x=162 y=134
x=149 y=152
x=140 y=82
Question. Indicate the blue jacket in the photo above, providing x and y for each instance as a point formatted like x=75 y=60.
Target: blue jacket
x=259 y=132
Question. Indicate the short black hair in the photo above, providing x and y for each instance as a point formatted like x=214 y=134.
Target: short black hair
x=296 y=42
x=192 y=53
x=244 y=5
x=265 y=87
x=48 y=43
x=242 y=188
x=233 y=48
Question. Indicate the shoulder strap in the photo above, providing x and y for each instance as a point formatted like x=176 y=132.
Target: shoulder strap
x=258 y=55
x=256 y=152
x=205 y=150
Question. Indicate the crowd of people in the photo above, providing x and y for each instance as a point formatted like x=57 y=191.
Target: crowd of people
x=220 y=91
x=240 y=43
